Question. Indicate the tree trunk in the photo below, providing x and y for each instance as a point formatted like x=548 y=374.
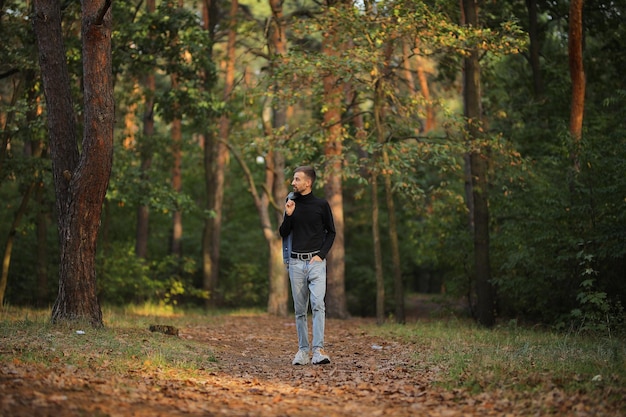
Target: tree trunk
x=398 y=284
x=533 y=35
x=275 y=119
x=8 y=248
x=423 y=82
x=210 y=13
x=176 y=133
x=142 y=232
x=430 y=113
x=379 y=99
x=216 y=157
x=378 y=257
x=32 y=149
x=177 y=180
x=577 y=75
x=485 y=307
x=80 y=180
x=336 y=304
x=391 y=208
x=42 y=247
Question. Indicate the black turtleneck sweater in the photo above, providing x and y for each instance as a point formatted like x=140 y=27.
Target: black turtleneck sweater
x=311 y=224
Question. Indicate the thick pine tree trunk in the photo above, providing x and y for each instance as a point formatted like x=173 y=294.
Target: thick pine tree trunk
x=80 y=180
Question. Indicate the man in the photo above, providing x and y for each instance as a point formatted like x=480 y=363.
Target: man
x=309 y=221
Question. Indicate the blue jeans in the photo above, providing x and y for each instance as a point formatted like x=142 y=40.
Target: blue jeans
x=308 y=281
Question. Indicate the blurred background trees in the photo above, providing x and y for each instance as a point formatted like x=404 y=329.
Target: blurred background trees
x=217 y=102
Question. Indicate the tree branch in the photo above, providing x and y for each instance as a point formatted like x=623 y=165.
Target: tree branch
x=9 y=73
x=105 y=7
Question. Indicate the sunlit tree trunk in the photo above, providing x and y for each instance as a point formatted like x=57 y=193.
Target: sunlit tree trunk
x=332 y=45
x=80 y=179
x=429 y=123
x=275 y=119
x=423 y=81
x=577 y=75
x=485 y=304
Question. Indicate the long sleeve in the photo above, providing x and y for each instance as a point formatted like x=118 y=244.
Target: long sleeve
x=285 y=227
x=329 y=225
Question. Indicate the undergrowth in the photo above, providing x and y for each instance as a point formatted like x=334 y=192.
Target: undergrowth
x=512 y=357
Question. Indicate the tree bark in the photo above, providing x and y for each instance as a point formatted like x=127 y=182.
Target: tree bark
x=534 y=47
x=221 y=155
x=485 y=307
x=42 y=247
x=210 y=14
x=8 y=247
x=577 y=75
x=142 y=232
x=176 y=133
x=275 y=119
x=398 y=284
x=177 y=179
x=81 y=179
x=423 y=83
x=336 y=304
x=378 y=257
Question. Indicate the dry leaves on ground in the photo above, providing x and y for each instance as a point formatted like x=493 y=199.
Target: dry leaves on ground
x=253 y=376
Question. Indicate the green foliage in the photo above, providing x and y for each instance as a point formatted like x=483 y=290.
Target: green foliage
x=558 y=248
x=596 y=312
x=123 y=278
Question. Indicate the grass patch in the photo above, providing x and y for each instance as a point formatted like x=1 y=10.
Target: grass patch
x=460 y=354
x=124 y=345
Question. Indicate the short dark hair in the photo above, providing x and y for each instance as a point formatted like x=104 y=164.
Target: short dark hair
x=307 y=170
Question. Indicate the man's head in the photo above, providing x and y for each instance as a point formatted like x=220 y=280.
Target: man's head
x=303 y=179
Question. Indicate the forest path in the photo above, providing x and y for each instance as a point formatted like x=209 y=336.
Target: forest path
x=253 y=376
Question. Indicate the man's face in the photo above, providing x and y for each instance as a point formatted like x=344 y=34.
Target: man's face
x=300 y=182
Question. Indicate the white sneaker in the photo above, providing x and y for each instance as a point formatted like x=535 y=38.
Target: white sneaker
x=320 y=357
x=301 y=358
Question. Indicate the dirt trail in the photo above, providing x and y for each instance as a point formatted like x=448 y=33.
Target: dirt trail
x=253 y=376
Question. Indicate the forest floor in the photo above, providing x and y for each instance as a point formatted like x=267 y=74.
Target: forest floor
x=251 y=375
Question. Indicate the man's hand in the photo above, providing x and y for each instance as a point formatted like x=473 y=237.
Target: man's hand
x=290 y=206
x=316 y=258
